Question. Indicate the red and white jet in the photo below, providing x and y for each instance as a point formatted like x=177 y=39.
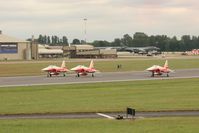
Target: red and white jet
x=55 y=70
x=159 y=70
x=83 y=70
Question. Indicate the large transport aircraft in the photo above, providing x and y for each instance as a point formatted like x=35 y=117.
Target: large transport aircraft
x=55 y=70
x=159 y=70
x=83 y=70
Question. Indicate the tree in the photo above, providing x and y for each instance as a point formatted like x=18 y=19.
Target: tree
x=186 y=42
x=162 y=42
x=195 y=42
x=40 y=39
x=76 y=41
x=60 y=41
x=83 y=42
x=101 y=43
x=127 y=40
x=174 y=44
x=44 y=39
x=49 y=41
x=65 y=40
x=56 y=40
x=117 y=42
x=53 y=40
x=140 y=39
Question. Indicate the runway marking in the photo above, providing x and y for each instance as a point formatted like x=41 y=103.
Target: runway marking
x=104 y=115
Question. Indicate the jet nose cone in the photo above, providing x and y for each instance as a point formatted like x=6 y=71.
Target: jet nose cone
x=44 y=69
x=149 y=69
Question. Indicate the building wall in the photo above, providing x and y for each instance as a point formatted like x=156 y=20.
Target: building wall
x=89 y=52
x=34 y=51
x=22 y=52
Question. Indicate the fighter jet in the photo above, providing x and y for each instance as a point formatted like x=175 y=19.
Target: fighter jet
x=83 y=70
x=159 y=70
x=55 y=70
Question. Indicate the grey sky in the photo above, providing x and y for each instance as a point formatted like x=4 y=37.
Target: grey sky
x=107 y=19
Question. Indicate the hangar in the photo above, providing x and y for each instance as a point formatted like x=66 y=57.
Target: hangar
x=12 y=48
x=88 y=51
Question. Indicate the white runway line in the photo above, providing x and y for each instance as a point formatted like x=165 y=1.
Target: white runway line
x=104 y=115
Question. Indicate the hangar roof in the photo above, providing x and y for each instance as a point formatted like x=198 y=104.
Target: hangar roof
x=50 y=51
x=83 y=46
x=9 y=39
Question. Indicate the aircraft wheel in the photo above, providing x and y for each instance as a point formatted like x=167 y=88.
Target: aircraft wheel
x=152 y=75
x=78 y=75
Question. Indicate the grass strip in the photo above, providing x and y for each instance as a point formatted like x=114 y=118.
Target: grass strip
x=178 y=94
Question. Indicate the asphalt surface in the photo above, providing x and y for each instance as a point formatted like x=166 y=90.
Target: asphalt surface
x=99 y=77
x=103 y=115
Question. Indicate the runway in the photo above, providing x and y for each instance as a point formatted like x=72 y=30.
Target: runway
x=102 y=115
x=99 y=77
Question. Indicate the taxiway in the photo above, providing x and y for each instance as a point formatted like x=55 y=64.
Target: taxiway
x=99 y=77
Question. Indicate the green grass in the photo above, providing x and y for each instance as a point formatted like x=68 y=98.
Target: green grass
x=181 y=94
x=34 y=68
x=150 y=125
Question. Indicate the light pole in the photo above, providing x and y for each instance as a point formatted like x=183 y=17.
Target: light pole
x=85 y=19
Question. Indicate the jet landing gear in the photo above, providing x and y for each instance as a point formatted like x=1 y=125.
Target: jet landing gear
x=152 y=75
x=77 y=75
x=49 y=75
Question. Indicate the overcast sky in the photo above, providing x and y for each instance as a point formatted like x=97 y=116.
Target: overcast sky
x=106 y=19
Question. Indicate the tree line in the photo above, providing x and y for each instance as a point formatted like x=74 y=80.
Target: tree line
x=139 y=39
x=165 y=43
x=52 y=40
x=55 y=40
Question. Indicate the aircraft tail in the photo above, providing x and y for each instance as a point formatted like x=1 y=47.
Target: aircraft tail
x=91 y=64
x=166 y=65
x=63 y=64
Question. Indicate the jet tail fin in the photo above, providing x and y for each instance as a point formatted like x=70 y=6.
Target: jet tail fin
x=166 y=65
x=91 y=64
x=63 y=64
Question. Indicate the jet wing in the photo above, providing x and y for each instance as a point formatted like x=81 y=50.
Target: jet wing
x=50 y=68
x=62 y=70
x=79 y=68
x=154 y=68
